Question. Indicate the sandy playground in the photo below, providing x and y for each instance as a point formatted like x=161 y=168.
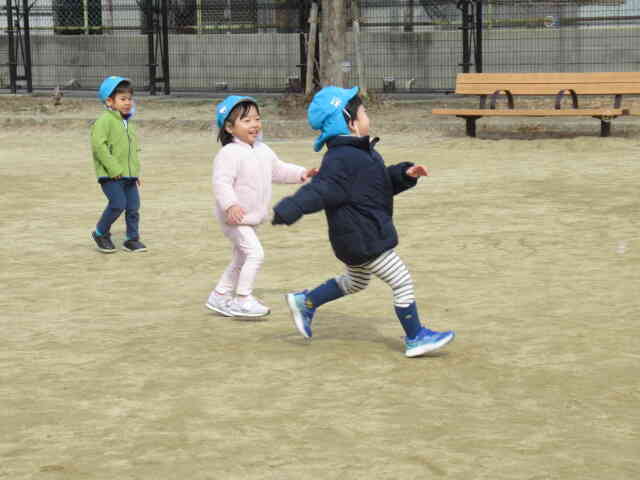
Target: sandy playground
x=525 y=241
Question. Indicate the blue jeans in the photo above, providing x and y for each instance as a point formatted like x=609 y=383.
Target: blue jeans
x=123 y=196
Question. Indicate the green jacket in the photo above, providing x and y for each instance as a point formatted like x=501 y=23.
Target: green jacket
x=114 y=146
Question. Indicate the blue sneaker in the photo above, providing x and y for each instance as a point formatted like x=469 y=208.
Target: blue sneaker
x=426 y=341
x=302 y=314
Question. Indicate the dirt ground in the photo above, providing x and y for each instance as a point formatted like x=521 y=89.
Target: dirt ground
x=525 y=241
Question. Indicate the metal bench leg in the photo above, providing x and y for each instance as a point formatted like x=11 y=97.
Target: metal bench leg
x=605 y=128
x=471 y=126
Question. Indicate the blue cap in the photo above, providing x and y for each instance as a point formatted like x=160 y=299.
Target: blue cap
x=223 y=109
x=109 y=84
x=325 y=113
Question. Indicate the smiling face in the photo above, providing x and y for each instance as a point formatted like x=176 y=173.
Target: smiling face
x=122 y=102
x=246 y=126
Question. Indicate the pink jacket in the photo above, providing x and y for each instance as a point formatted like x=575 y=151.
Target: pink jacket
x=242 y=175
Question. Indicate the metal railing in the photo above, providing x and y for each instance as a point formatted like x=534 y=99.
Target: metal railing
x=260 y=45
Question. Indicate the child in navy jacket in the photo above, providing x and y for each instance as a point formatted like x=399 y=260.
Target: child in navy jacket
x=356 y=189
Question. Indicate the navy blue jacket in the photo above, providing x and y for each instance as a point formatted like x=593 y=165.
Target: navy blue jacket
x=355 y=189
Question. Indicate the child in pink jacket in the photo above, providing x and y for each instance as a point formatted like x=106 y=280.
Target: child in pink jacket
x=243 y=171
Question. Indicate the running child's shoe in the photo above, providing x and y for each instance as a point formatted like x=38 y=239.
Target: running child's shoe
x=134 y=246
x=103 y=242
x=426 y=341
x=301 y=311
x=251 y=307
x=219 y=304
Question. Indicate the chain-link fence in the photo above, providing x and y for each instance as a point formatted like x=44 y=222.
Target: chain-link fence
x=246 y=45
x=409 y=45
x=204 y=44
x=260 y=45
x=561 y=36
x=76 y=43
x=4 y=55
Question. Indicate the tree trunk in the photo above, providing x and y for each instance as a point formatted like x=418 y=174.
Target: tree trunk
x=355 y=11
x=311 y=48
x=332 y=52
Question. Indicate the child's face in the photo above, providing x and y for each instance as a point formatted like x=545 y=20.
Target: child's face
x=360 y=125
x=122 y=102
x=247 y=128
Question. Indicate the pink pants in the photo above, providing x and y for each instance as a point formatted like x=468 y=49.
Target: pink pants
x=247 y=257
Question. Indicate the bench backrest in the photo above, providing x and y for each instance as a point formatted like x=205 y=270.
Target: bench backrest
x=549 y=83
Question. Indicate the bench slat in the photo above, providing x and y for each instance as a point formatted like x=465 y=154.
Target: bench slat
x=595 y=77
x=568 y=112
x=598 y=83
x=550 y=88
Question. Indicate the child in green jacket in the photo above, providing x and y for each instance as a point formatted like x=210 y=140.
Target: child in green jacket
x=115 y=156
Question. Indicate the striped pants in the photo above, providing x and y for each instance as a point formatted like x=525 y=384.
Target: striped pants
x=389 y=268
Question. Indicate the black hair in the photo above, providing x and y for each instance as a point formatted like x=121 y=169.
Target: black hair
x=241 y=110
x=123 y=87
x=350 y=112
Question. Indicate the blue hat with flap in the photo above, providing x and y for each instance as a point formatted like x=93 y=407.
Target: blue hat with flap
x=108 y=85
x=223 y=109
x=325 y=113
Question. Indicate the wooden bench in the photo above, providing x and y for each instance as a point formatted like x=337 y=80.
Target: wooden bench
x=491 y=86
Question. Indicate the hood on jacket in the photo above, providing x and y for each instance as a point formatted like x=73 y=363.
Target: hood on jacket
x=325 y=113
x=223 y=109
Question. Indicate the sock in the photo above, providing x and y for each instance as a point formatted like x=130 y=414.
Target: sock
x=409 y=319
x=326 y=292
x=98 y=232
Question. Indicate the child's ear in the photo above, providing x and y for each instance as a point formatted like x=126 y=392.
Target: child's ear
x=227 y=128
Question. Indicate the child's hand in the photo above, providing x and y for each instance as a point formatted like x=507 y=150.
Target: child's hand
x=139 y=182
x=417 y=171
x=312 y=172
x=235 y=214
x=277 y=219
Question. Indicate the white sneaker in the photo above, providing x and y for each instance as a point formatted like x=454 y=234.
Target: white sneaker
x=219 y=303
x=250 y=307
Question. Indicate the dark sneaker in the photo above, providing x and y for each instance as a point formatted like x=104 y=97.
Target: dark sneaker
x=134 y=246
x=103 y=242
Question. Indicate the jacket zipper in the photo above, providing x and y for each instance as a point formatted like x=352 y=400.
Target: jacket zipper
x=126 y=129
x=263 y=192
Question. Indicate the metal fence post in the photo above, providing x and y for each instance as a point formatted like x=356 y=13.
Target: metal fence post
x=150 y=28
x=478 y=49
x=463 y=6
x=13 y=66
x=165 y=47
x=26 y=9
x=156 y=26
